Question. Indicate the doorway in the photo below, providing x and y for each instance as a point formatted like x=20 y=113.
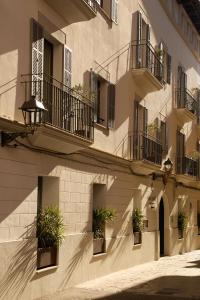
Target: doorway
x=161 y=226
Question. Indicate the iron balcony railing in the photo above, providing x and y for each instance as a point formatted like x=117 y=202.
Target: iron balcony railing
x=92 y=4
x=185 y=100
x=144 y=56
x=145 y=147
x=187 y=166
x=66 y=109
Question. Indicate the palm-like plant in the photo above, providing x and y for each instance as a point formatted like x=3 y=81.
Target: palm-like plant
x=100 y=217
x=50 y=227
x=182 y=221
x=137 y=219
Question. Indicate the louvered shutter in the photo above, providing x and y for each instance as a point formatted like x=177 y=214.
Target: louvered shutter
x=139 y=41
x=114 y=11
x=145 y=119
x=111 y=105
x=181 y=87
x=169 y=61
x=198 y=160
x=67 y=68
x=94 y=93
x=180 y=152
x=163 y=135
x=148 y=54
x=37 y=59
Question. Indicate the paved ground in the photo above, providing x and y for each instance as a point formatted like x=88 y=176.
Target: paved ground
x=176 y=277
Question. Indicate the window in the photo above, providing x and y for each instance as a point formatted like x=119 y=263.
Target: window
x=110 y=7
x=48 y=197
x=103 y=95
x=180 y=152
x=165 y=59
x=98 y=228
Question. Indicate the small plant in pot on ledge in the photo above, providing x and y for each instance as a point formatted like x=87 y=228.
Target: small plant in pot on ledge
x=182 y=224
x=137 y=219
x=50 y=234
x=100 y=218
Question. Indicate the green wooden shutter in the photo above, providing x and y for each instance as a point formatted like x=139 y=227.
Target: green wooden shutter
x=111 y=105
x=94 y=93
x=114 y=11
x=67 y=67
x=169 y=61
x=37 y=58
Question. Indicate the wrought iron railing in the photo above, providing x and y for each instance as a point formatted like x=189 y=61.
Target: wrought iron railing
x=92 y=4
x=145 y=56
x=145 y=147
x=187 y=166
x=66 y=109
x=185 y=100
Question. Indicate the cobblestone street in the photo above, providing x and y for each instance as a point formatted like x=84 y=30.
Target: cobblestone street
x=176 y=277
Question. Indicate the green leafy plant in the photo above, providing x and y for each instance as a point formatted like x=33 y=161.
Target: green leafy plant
x=100 y=218
x=50 y=227
x=182 y=221
x=137 y=219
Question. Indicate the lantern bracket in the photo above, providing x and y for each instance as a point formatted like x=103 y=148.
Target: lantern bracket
x=8 y=137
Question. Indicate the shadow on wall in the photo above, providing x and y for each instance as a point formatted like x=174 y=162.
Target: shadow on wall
x=162 y=288
x=21 y=266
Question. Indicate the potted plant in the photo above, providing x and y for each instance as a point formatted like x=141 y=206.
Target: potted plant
x=100 y=218
x=50 y=234
x=182 y=224
x=137 y=220
x=198 y=223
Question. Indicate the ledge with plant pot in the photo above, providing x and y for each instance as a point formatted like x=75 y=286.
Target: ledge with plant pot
x=182 y=224
x=137 y=222
x=100 y=218
x=50 y=234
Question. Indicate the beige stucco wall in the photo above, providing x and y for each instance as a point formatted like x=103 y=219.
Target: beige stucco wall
x=93 y=40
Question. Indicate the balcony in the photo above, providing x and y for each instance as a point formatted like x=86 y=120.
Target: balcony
x=186 y=106
x=67 y=125
x=187 y=169
x=147 y=68
x=76 y=10
x=146 y=153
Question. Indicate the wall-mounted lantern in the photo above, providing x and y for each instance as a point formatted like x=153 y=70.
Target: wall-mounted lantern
x=32 y=111
x=168 y=167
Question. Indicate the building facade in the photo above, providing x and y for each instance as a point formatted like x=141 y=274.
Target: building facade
x=120 y=84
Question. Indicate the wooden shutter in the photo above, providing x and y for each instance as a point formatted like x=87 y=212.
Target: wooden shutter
x=139 y=41
x=140 y=118
x=37 y=58
x=169 y=61
x=163 y=135
x=145 y=119
x=180 y=152
x=148 y=54
x=67 y=67
x=111 y=105
x=114 y=11
x=94 y=93
x=198 y=160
